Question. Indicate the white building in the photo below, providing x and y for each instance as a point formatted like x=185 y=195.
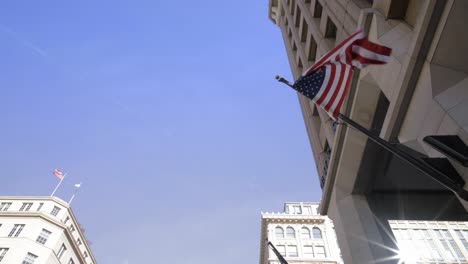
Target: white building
x=39 y=230
x=430 y=241
x=300 y=234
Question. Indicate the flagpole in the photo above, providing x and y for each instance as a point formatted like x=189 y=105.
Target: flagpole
x=60 y=182
x=278 y=255
x=74 y=193
x=417 y=163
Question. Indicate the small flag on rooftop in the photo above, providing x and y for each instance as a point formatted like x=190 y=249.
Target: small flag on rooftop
x=57 y=173
x=327 y=81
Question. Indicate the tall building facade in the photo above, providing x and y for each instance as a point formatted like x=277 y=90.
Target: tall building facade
x=422 y=91
x=41 y=230
x=300 y=234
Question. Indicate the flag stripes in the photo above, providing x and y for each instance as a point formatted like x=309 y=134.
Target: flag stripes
x=327 y=81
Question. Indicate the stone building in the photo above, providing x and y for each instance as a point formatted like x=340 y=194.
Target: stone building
x=422 y=91
x=300 y=234
x=40 y=230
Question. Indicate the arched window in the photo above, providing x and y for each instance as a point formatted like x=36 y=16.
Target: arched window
x=279 y=232
x=305 y=232
x=290 y=232
x=316 y=233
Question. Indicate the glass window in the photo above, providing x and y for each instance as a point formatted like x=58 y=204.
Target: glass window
x=292 y=251
x=297 y=209
x=4 y=206
x=71 y=261
x=316 y=233
x=62 y=250
x=462 y=235
x=29 y=259
x=16 y=230
x=320 y=252
x=55 y=211
x=78 y=241
x=3 y=252
x=307 y=209
x=290 y=232
x=308 y=252
x=305 y=232
x=40 y=206
x=25 y=207
x=279 y=232
x=282 y=250
x=43 y=236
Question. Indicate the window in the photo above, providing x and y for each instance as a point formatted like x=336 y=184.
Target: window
x=72 y=228
x=308 y=252
x=25 y=207
x=292 y=251
x=297 y=209
x=320 y=252
x=85 y=254
x=290 y=232
x=462 y=235
x=4 y=206
x=308 y=210
x=312 y=49
x=78 y=241
x=55 y=211
x=316 y=233
x=318 y=9
x=450 y=246
x=305 y=232
x=298 y=17
x=40 y=206
x=66 y=220
x=326 y=160
x=16 y=230
x=292 y=6
x=279 y=232
x=29 y=259
x=71 y=261
x=62 y=250
x=281 y=250
x=3 y=252
x=43 y=236
x=330 y=31
x=305 y=29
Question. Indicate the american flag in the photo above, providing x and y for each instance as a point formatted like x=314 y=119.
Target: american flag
x=57 y=173
x=327 y=81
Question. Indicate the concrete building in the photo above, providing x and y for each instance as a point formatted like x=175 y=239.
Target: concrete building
x=422 y=91
x=300 y=234
x=40 y=230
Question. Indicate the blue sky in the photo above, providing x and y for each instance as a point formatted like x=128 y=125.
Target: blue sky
x=168 y=113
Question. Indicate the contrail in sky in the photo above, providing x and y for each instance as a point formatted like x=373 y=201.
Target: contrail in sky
x=28 y=44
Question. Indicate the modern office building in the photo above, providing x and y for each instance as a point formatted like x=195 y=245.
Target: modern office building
x=300 y=234
x=41 y=230
x=422 y=91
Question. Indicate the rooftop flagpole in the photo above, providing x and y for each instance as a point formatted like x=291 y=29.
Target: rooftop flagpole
x=58 y=174
x=77 y=187
x=417 y=163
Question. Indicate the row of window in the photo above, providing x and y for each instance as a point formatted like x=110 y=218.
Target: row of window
x=30 y=258
x=297 y=209
x=307 y=251
x=432 y=245
x=295 y=11
x=25 y=207
x=42 y=238
x=291 y=233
